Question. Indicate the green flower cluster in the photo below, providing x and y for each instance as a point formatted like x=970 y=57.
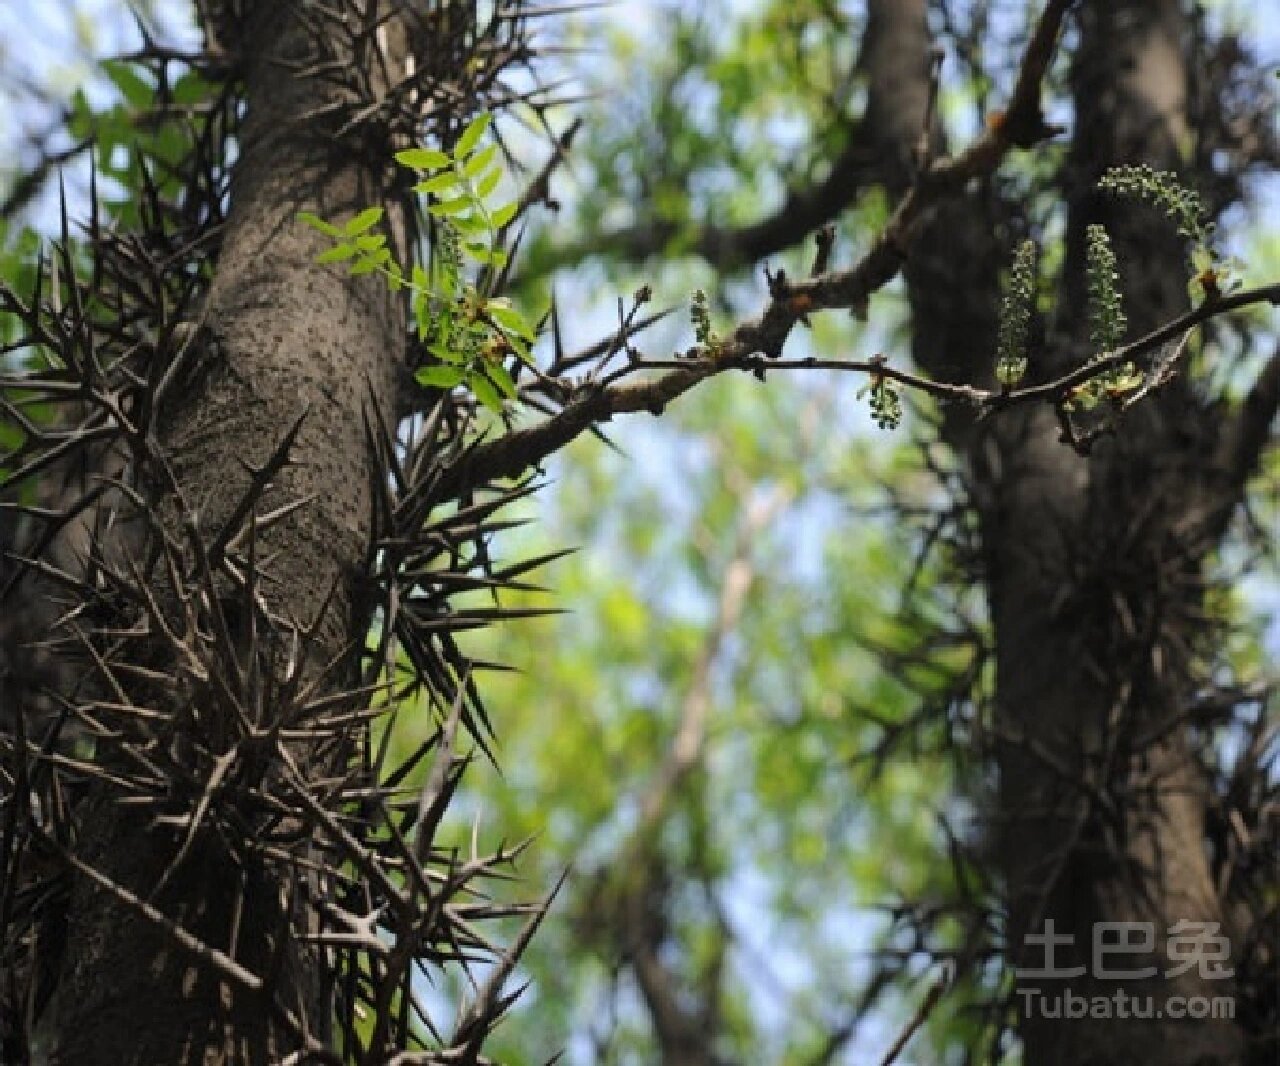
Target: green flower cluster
x=1162 y=190
x=1015 y=317
x=1107 y=320
x=886 y=404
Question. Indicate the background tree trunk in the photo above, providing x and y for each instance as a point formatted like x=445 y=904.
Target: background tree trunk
x=1093 y=571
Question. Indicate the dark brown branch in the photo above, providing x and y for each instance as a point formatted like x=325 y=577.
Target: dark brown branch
x=802 y=211
x=539 y=189
x=28 y=187
x=1143 y=346
x=510 y=455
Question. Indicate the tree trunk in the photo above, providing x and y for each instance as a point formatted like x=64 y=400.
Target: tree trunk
x=283 y=339
x=1093 y=571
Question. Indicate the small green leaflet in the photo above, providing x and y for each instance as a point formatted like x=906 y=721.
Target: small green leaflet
x=471 y=135
x=486 y=392
x=498 y=375
x=504 y=214
x=440 y=377
x=423 y=158
x=446 y=354
x=468 y=225
x=451 y=207
x=317 y=223
x=363 y=221
x=440 y=183
x=371 y=263
x=478 y=162
x=135 y=89
x=511 y=320
x=488 y=183
x=337 y=253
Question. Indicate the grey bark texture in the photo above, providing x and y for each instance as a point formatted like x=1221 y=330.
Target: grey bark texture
x=285 y=340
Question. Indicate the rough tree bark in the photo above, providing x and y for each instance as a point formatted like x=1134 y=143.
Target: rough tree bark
x=283 y=340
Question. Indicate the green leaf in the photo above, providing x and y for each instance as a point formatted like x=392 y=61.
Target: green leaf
x=440 y=377
x=421 y=313
x=440 y=183
x=423 y=158
x=316 y=222
x=136 y=90
x=446 y=354
x=519 y=347
x=367 y=242
x=488 y=183
x=337 y=253
x=451 y=207
x=486 y=392
x=512 y=321
x=497 y=373
x=191 y=89
x=505 y=214
x=469 y=226
x=477 y=163
x=471 y=135
x=82 y=117
x=364 y=220
x=479 y=252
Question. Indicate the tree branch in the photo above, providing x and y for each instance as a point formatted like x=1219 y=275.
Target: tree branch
x=750 y=348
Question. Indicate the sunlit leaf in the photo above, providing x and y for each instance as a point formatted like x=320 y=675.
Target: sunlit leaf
x=440 y=183
x=423 y=158
x=439 y=377
x=505 y=214
x=456 y=206
x=366 y=219
x=497 y=373
x=316 y=222
x=337 y=253
x=471 y=135
x=512 y=321
x=488 y=183
x=486 y=392
x=477 y=163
